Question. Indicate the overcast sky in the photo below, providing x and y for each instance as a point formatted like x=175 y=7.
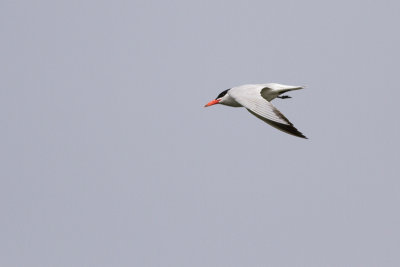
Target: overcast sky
x=108 y=157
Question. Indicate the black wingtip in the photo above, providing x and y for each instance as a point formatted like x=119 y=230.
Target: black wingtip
x=303 y=136
x=293 y=131
x=287 y=128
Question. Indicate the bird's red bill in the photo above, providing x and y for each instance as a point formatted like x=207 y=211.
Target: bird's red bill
x=213 y=102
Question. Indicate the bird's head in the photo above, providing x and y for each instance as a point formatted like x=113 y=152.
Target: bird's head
x=219 y=100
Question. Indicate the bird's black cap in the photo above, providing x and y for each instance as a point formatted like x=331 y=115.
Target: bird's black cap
x=223 y=93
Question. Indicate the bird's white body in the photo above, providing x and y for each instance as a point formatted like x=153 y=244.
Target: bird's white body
x=256 y=99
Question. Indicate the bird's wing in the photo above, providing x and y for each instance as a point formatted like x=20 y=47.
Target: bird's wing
x=271 y=90
x=252 y=100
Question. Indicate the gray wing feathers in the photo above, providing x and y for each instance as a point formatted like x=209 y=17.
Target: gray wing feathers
x=272 y=90
x=264 y=110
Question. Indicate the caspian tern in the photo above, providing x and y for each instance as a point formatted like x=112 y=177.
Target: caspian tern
x=256 y=99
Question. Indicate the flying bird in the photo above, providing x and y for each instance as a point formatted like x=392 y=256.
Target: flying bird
x=256 y=99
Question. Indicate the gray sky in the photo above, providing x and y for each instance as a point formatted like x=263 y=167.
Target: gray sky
x=109 y=158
